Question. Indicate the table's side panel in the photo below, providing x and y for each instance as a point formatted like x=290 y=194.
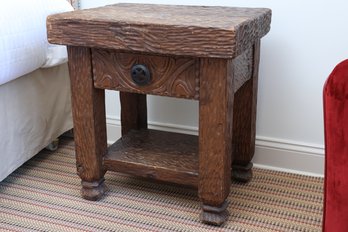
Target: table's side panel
x=215 y=134
x=242 y=68
x=88 y=105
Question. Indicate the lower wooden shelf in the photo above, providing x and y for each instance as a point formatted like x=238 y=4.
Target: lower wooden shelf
x=159 y=155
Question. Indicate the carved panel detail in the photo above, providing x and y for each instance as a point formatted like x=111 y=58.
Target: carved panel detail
x=170 y=76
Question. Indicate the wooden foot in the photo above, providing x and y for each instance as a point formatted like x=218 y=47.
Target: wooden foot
x=242 y=173
x=93 y=191
x=214 y=215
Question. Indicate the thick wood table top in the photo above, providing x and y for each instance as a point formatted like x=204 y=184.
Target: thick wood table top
x=222 y=32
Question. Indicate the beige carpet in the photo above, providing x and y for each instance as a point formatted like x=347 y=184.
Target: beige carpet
x=43 y=195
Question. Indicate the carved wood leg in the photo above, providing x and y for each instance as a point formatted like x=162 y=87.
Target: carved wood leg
x=88 y=106
x=215 y=134
x=244 y=123
x=133 y=111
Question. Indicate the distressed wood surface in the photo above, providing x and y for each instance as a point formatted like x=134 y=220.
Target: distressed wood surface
x=170 y=76
x=222 y=32
x=242 y=68
x=244 y=122
x=133 y=112
x=156 y=155
x=215 y=136
x=210 y=54
x=88 y=106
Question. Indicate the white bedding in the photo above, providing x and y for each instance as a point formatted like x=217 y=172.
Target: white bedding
x=35 y=109
x=23 y=38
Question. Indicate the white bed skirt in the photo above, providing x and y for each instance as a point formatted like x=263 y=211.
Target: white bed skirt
x=34 y=110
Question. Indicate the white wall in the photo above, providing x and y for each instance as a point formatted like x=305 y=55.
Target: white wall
x=307 y=39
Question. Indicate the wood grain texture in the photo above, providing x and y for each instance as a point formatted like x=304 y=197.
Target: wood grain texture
x=221 y=32
x=210 y=54
x=242 y=68
x=170 y=76
x=156 y=155
x=244 y=122
x=133 y=112
x=88 y=105
x=215 y=130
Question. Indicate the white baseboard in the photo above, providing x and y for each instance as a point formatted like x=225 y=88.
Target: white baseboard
x=270 y=153
x=289 y=156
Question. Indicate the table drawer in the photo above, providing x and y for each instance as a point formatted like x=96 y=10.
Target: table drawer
x=169 y=76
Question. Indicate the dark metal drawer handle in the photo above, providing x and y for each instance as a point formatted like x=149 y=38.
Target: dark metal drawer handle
x=140 y=74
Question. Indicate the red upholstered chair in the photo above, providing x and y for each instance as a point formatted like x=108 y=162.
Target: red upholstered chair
x=336 y=150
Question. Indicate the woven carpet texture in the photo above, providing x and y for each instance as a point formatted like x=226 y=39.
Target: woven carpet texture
x=44 y=195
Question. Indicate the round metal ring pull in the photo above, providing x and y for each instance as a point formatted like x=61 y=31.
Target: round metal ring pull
x=140 y=74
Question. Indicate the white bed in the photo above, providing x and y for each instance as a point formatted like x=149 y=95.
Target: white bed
x=35 y=105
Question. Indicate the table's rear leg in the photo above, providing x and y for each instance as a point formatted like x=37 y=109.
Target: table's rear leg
x=133 y=111
x=244 y=123
x=215 y=134
x=88 y=106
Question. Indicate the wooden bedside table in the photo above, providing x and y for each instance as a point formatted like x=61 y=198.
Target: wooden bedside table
x=210 y=54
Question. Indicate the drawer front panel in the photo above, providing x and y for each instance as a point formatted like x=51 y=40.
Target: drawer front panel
x=170 y=76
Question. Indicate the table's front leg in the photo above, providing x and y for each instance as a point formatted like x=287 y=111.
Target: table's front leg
x=88 y=105
x=215 y=135
x=244 y=123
